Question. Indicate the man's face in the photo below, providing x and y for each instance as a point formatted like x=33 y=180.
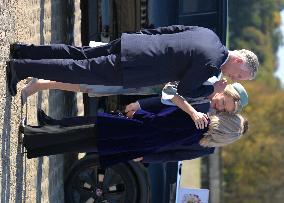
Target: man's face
x=223 y=102
x=237 y=71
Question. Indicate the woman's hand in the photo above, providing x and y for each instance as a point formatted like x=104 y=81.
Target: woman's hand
x=130 y=114
x=200 y=119
x=131 y=108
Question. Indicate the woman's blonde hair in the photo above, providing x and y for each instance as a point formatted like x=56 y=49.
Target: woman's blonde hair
x=224 y=128
x=230 y=91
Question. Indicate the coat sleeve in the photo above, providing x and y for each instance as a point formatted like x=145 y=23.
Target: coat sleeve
x=166 y=30
x=191 y=85
x=170 y=117
x=151 y=104
x=166 y=120
x=178 y=155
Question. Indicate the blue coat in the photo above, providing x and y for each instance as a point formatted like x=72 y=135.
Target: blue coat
x=167 y=135
x=188 y=54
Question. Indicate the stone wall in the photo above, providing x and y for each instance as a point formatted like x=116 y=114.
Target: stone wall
x=38 y=22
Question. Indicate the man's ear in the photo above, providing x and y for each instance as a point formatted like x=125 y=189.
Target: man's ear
x=239 y=60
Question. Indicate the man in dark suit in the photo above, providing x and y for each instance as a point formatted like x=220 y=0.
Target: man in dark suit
x=188 y=54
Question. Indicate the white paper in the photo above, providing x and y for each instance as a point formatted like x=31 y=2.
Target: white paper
x=191 y=195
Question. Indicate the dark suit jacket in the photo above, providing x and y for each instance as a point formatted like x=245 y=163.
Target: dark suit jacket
x=188 y=54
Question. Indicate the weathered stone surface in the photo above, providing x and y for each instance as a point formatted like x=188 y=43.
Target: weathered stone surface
x=38 y=22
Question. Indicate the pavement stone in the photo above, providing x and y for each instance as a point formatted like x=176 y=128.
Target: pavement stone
x=38 y=22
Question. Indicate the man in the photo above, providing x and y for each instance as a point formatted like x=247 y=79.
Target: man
x=188 y=54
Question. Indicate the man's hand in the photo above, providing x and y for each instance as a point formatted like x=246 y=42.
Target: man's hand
x=220 y=85
x=200 y=119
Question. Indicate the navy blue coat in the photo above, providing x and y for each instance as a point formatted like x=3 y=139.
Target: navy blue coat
x=167 y=135
x=188 y=54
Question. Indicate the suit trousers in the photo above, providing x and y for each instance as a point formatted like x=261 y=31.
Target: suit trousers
x=104 y=70
x=69 y=64
x=55 y=139
x=63 y=51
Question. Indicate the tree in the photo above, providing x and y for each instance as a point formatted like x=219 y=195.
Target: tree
x=253 y=167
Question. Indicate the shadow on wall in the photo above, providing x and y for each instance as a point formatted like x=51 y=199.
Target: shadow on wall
x=61 y=103
x=40 y=160
x=5 y=152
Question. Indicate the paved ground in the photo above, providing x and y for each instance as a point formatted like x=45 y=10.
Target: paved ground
x=37 y=180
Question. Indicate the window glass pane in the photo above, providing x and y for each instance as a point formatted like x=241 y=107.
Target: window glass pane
x=162 y=12
x=197 y=6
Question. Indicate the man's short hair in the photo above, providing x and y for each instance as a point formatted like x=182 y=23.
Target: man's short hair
x=251 y=60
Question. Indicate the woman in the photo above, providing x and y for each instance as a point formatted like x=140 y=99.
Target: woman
x=232 y=99
x=167 y=135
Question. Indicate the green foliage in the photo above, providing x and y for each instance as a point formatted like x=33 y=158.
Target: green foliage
x=280 y=4
x=253 y=167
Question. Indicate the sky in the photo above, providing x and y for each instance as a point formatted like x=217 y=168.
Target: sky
x=280 y=54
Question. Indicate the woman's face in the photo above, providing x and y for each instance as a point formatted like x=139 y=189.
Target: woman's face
x=223 y=102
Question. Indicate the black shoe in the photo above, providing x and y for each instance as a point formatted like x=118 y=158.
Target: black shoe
x=11 y=77
x=15 y=51
x=42 y=118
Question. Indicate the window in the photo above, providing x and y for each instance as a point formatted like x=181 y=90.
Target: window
x=197 y=6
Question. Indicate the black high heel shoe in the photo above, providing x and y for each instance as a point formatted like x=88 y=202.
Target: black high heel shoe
x=42 y=118
x=15 y=51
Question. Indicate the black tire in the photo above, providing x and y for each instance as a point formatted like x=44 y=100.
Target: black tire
x=126 y=180
x=143 y=181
